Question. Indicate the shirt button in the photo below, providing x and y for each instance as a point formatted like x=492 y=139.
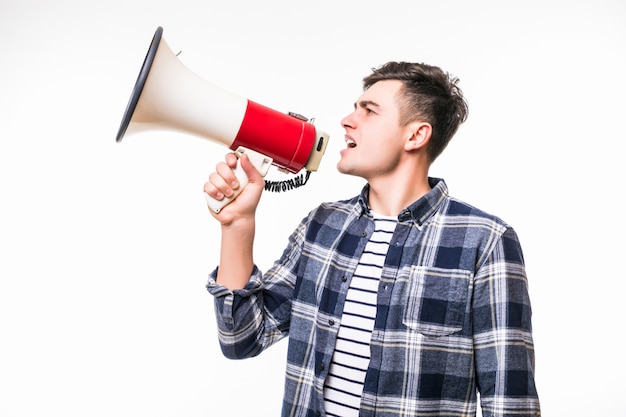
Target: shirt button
x=363 y=234
x=321 y=366
x=344 y=278
x=331 y=322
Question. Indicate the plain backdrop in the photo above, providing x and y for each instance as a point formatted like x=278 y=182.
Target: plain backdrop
x=105 y=247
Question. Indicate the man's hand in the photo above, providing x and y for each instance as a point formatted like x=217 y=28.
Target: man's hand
x=224 y=183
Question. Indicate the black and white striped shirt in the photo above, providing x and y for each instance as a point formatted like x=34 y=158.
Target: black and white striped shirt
x=344 y=384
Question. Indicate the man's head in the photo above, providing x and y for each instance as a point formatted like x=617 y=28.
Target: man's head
x=427 y=95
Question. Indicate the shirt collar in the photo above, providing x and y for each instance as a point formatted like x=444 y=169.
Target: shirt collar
x=420 y=210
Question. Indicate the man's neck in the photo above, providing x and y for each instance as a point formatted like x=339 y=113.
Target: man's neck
x=390 y=197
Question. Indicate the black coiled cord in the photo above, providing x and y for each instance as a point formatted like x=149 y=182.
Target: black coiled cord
x=286 y=185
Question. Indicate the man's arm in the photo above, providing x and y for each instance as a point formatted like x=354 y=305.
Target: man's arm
x=505 y=356
x=237 y=220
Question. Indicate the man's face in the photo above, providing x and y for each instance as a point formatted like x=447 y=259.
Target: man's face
x=374 y=137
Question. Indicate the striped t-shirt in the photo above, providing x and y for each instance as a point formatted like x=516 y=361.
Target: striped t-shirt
x=344 y=384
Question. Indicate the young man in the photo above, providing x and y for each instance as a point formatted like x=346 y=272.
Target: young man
x=401 y=301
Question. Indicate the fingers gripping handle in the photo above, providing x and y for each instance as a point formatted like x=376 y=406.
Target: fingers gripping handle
x=261 y=163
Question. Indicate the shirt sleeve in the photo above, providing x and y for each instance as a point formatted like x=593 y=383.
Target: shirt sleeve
x=251 y=319
x=505 y=356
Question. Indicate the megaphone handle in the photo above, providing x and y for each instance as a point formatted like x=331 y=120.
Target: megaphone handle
x=258 y=160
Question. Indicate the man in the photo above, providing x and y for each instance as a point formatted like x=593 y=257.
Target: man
x=401 y=301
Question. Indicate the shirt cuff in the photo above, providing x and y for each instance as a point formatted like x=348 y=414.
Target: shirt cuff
x=254 y=285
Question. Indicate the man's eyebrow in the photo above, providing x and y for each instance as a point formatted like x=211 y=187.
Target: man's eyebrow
x=365 y=103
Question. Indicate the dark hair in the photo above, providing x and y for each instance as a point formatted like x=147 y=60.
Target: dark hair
x=429 y=95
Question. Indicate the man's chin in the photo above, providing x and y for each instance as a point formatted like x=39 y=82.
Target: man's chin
x=342 y=168
x=346 y=169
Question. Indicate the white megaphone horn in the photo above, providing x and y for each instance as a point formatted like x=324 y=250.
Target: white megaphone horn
x=167 y=95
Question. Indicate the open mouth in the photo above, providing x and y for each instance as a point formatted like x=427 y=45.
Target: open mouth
x=350 y=143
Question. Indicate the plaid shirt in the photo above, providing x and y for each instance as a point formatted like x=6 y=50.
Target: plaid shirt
x=453 y=316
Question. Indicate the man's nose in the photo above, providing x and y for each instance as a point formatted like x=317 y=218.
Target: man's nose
x=347 y=121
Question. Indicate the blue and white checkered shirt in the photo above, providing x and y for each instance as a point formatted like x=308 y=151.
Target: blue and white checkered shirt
x=453 y=315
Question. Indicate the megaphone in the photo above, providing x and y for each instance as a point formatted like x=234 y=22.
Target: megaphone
x=168 y=96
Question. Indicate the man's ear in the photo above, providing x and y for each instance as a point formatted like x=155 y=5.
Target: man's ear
x=420 y=135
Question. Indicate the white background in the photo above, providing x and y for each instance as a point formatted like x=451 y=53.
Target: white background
x=105 y=247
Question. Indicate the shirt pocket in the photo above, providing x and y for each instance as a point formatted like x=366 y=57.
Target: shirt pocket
x=436 y=300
